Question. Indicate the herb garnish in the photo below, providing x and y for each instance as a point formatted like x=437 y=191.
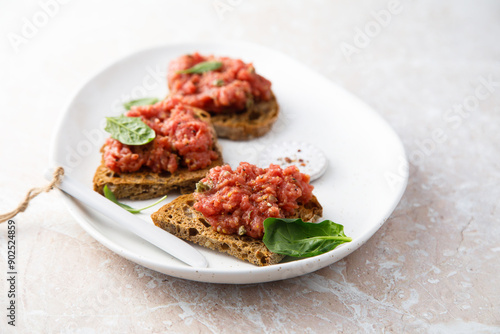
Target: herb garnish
x=129 y=130
x=202 y=187
x=140 y=102
x=202 y=67
x=297 y=238
x=218 y=82
x=109 y=195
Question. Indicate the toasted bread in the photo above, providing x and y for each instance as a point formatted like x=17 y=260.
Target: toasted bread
x=181 y=219
x=253 y=122
x=145 y=184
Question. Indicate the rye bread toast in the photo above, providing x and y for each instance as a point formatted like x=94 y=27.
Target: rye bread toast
x=145 y=184
x=253 y=122
x=181 y=219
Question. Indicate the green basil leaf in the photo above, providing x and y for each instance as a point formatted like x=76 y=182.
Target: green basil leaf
x=203 y=67
x=297 y=238
x=140 y=102
x=129 y=130
x=109 y=195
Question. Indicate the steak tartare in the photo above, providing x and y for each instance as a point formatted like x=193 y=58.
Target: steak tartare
x=232 y=87
x=238 y=202
x=181 y=139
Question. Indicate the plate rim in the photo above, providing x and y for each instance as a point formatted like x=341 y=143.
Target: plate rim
x=243 y=275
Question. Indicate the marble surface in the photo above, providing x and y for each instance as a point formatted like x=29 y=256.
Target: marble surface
x=431 y=69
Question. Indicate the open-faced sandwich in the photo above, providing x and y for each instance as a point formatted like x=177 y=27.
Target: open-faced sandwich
x=239 y=100
x=157 y=148
x=228 y=209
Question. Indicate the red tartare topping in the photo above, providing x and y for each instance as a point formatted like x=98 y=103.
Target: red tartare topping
x=181 y=140
x=227 y=89
x=238 y=202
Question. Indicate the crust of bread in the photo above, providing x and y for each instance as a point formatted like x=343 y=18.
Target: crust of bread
x=181 y=219
x=145 y=184
x=251 y=123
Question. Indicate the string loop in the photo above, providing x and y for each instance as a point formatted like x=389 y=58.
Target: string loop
x=34 y=192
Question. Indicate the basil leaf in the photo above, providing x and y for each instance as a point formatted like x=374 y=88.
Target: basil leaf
x=297 y=238
x=140 y=102
x=129 y=130
x=109 y=195
x=203 y=67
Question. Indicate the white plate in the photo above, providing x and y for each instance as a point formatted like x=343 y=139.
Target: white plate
x=365 y=180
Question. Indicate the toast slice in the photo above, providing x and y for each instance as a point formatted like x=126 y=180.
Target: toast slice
x=145 y=184
x=253 y=122
x=181 y=219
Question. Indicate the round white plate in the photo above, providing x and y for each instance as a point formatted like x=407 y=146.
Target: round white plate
x=367 y=167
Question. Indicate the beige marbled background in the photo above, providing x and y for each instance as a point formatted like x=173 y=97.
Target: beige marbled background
x=432 y=268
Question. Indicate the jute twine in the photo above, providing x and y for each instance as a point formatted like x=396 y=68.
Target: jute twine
x=58 y=175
